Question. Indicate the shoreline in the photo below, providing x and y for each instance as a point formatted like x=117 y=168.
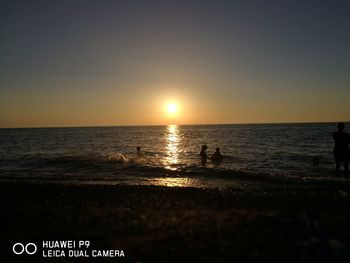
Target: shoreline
x=255 y=222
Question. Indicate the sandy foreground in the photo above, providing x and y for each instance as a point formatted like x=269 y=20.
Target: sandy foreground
x=252 y=222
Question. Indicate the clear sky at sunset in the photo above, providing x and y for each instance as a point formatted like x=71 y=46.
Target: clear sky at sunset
x=81 y=63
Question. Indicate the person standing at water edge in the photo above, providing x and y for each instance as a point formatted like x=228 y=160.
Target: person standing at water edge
x=341 y=149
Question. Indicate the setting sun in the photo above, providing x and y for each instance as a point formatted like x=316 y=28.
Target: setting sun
x=172 y=111
x=172 y=108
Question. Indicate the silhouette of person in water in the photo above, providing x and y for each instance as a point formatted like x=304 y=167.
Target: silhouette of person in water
x=341 y=149
x=316 y=160
x=216 y=157
x=138 y=149
x=203 y=154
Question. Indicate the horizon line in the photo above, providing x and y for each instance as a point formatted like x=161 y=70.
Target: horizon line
x=158 y=125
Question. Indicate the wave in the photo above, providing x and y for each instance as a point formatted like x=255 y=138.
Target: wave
x=119 y=167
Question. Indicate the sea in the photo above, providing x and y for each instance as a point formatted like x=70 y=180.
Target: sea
x=169 y=154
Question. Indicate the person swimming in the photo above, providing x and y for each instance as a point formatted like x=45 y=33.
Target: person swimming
x=203 y=154
x=341 y=150
x=216 y=157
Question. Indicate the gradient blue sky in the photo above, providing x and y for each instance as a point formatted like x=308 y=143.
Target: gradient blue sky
x=77 y=63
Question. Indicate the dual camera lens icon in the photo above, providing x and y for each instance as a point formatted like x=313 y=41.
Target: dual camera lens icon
x=20 y=248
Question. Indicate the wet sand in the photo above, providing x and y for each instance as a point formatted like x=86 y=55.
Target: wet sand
x=255 y=222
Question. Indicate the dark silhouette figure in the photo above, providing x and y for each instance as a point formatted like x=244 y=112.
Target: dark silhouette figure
x=203 y=154
x=216 y=157
x=341 y=149
x=316 y=160
x=138 y=149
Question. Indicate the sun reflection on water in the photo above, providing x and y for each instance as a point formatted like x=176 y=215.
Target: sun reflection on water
x=176 y=182
x=172 y=147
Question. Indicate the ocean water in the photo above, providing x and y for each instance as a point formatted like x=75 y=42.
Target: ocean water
x=169 y=154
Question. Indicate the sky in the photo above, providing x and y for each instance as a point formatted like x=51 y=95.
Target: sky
x=91 y=63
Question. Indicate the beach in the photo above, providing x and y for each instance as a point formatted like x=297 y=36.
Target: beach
x=250 y=222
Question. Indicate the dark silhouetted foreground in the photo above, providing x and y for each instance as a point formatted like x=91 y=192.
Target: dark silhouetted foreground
x=298 y=222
